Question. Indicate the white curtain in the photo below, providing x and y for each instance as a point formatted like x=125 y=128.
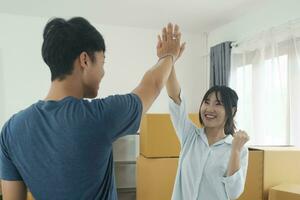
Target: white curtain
x=265 y=72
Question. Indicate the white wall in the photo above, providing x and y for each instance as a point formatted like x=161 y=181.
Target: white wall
x=2 y=107
x=130 y=52
x=269 y=14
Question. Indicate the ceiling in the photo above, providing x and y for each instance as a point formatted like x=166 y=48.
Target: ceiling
x=192 y=15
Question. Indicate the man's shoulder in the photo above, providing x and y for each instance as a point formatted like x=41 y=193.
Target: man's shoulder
x=19 y=116
x=15 y=124
x=118 y=99
x=22 y=112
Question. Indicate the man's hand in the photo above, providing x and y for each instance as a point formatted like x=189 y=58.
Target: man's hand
x=182 y=48
x=169 y=42
x=154 y=80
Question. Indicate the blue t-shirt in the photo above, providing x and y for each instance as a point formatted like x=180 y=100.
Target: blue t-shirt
x=63 y=149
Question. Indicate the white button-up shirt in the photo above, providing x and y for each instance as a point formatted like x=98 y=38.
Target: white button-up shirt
x=201 y=173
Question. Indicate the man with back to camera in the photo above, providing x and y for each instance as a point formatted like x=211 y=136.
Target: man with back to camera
x=61 y=147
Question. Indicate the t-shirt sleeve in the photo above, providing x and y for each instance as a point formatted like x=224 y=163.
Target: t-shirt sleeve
x=121 y=114
x=8 y=170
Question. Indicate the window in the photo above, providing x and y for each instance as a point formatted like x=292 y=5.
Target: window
x=263 y=100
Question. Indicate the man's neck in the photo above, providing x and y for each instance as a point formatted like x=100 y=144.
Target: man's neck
x=67 y=87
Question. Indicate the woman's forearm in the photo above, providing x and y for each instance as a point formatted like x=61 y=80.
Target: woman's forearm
x=173 y=87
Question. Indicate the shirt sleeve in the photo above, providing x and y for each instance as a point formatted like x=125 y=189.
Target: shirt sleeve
x=121 y=114
x=8 y=170
x=180 y=119
x=234 y=185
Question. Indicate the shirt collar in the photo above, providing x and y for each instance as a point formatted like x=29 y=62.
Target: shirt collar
x=202 y=135
x=228 y=139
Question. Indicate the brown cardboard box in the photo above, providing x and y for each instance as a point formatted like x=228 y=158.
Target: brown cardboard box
x=155 y=178
x=157 y=136
x=285 y=192
x=268 y=167
x=29 y=196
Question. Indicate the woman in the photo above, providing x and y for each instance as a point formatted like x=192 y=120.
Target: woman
x=213 y=159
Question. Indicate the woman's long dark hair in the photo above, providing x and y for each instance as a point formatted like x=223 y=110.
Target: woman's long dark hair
x=229 y=99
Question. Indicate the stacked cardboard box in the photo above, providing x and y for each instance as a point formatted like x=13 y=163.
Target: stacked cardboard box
x=29 y=196
x=159 y=151
x=268 y=167
x=155 y=178
x=285 y=192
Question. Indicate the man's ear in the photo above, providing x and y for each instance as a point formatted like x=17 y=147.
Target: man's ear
x=83 y=59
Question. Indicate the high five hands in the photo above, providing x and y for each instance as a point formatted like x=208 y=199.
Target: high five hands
x=169 y=43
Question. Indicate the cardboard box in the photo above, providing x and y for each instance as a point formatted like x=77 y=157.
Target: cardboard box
x=285 y=192
x=155 y=178
x=158 y=138
x=29 y=196
x=268 y=167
